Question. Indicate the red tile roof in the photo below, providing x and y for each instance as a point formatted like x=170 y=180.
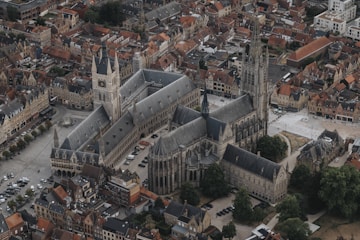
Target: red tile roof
x=309 y=49
x=60 y=192
x=14 y=220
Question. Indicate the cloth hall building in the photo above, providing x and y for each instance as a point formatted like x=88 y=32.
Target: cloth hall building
x=195 y=140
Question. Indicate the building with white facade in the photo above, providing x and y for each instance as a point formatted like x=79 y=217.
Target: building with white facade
x=353 y=30
x=335 y=19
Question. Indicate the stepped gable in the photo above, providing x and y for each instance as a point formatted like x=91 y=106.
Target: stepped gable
x=251 y=162
x=87 y=130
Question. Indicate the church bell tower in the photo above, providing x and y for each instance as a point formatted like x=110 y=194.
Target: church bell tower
x=106 y=84
x=254 y=75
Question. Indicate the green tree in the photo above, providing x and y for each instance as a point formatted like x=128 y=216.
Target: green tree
x=300 y=176
x=40 y=21
x=21 y=144
x=288 y=208
x=243 y=210
x=6 y=154
x=27 y=138
x=314 y=203
x=13 y=149
x=29 y=192
x=213 y=183
x=159 y=203
x=12 y=13
x=42 y=129
x=34 y=133
x=19 y=199
x=111 y=13
x=340 y=190
x=48 y=124
x=11 y=204
x=58 y=71
x=272 y=148
x=91 y=15
x=294 y=229
x=21 y=37
x=189 y=194
x=229 y=230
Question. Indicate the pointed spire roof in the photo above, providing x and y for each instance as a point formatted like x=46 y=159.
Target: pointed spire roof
x=103 y=65
x=56 y=138
x=205 y=106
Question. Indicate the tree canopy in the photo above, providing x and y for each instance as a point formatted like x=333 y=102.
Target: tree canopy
x=229 y=230
x=243 y=210
x=294 y=229
x=108 y=13
x=299 y=177
x=189 y=194
x=272 y=148
x=12 y=13
x=288 y=208
x=340 y=189
x=213 y=183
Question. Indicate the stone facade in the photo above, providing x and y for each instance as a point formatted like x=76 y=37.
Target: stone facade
x=196 y=140
x=21 y=111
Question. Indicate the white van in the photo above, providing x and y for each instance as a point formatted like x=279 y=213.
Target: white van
x=130 y=157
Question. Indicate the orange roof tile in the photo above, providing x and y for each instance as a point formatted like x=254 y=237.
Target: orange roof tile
x=43 y=224
x=350 y=78
x=309 y=49
x=187 y=21
x=340 y=86
x=14 y=220
x=60 y=192
x=218 y=6
x=286 y=89
x=152 y=195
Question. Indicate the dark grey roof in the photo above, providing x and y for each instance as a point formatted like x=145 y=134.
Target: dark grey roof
x=117 y=132
x=183 y=135
x=183 y=115
x=27 y=217
x=82 y=157
x=179 y=210
x=116 y=225
x=251 y=162
x=11 y=108
x=87 y=130
x=234 y=110
x=315 y=151
x=102 y=63
x=41 y=202
x=55 y=207
x=333 y=135
x=163 y=98
x=164 y=12
x=3 y=226
x=144 y=77
x=214 y=127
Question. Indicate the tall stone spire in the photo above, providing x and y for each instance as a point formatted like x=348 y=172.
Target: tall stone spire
x=56 y=138
x=205 y=106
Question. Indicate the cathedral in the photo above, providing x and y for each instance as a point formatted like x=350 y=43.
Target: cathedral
x=198 y=139
x=151 y=99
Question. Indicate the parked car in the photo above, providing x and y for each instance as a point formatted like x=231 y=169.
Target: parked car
x=141 y=165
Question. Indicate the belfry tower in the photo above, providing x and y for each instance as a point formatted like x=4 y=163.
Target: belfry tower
x=106 y=84
x=254 y=75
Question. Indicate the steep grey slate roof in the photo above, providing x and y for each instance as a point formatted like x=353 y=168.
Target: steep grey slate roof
x=164 y=97
x=117 y=132
x=213 y=128
x=87 y=130
x=316 y=150
x=234 y=110
x=116 y=225
x=11 y=108
x=3 y=226
x=179 y=210
x=55 y=207
x=132 y=84
x=183 y=135
x=164 y=12
x=183 y=115
x=251 y=162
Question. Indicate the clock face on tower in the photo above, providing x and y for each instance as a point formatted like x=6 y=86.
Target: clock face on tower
x=101 y=83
